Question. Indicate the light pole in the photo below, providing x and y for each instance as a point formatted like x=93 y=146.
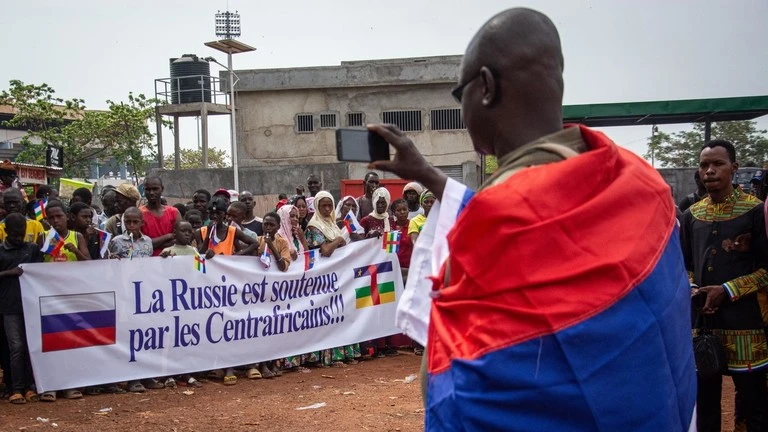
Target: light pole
x=227 y=28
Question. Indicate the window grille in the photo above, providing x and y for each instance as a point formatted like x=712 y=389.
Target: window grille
x=446 y=119
x=354 y=119
x=407 y=121
x=327 y=120
x=305 y=123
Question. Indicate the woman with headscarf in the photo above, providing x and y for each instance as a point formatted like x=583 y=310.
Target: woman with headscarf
x=300 y=202
x=323 y=233
x=343 y=207
x=378 y=221
x=291 y=230
x=411 y=193
x=426 y=200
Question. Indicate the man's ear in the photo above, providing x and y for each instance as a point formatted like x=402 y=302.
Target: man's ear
x=490 y=88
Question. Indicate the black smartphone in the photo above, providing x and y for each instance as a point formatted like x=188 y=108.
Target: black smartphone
x=360 y=145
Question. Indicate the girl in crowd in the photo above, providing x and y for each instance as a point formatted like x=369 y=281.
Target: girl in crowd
x=378 y=221
x=401 y=211
x=426 y=200
x=218 y=238
x=324 y=234
x=300 y=202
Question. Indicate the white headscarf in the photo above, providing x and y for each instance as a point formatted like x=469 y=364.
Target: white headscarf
x=286 y=230
x=326 y=225
x=414 y=186
x=341 y=205
x=377 y=195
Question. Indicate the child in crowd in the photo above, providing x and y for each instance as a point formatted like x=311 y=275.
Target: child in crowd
x=13 y=252
x=133 y=244
x=195 y=218
x=81 y=217
x=182 y=231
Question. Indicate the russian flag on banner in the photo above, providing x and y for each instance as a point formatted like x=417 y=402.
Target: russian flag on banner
x=104 y=238
x=53 y=243
x=351 y=224
x=77 y=321
x=309 y=258
x=40 y=209
x=574 y=312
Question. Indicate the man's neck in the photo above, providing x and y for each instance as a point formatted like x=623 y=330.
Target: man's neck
x=154 y=206
x=720 y=197
x=249 y=215
x=413 y=206
x=63 y=233
x=523 y=136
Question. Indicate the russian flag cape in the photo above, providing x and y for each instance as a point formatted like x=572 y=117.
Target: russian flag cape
x=571 y=308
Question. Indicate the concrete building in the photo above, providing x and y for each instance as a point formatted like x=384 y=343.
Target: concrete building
x=289 y=116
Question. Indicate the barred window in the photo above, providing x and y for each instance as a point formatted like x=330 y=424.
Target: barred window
x=446 y=119
x=327 y=120
x=354 y=119
x=407 y=121
x=305 y=123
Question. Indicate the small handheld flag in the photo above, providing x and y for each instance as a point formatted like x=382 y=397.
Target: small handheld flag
x=266 y=256
x=104 y=238
x=351 y=224
x=40 y=209
x=309 y=259
x=200 y=263
x=53 y=243
x=214 y=239
x=391 y=241
x=130 y=248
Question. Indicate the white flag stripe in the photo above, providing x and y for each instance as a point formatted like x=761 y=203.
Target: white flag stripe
x=55 y=305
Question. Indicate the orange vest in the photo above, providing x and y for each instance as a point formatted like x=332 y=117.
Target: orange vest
x=224 y=247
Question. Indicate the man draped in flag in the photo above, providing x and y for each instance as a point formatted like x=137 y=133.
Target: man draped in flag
x=562 y=305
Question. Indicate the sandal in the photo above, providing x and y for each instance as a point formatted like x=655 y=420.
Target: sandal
x=136 y=387
x=230 y=380
x=72 y=394
x=17 y=399
x=153 y=384
x=31 y=396
x=192 y=382
x=216 y=374
x=418 y=351
x=170 y=383
x=253 y=373
x=47 y=397
x=391 y=352
x=265 y=372
x=93 y=391
x=113 y=389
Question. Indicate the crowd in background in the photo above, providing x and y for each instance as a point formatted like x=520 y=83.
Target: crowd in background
x=209 y=224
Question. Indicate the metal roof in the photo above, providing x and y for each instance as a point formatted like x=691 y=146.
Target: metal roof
x=667 y=112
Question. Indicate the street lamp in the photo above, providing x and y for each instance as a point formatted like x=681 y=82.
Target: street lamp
x=227 y=28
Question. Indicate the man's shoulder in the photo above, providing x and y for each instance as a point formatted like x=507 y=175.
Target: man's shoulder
x=34 y=225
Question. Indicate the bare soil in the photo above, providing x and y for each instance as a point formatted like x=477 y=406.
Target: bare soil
x=371 y=395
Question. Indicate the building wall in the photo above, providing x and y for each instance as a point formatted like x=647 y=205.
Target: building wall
x=267 y=123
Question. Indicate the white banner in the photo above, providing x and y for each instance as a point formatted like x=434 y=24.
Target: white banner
x=99 y=322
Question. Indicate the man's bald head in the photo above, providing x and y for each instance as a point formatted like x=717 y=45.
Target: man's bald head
x=513 y=77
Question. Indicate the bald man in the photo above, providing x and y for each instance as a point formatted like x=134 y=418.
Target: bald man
x=561 y=303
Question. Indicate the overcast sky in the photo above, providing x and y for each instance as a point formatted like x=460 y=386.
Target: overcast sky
x=615 y=51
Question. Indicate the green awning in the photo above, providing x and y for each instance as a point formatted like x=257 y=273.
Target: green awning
x=667 y=112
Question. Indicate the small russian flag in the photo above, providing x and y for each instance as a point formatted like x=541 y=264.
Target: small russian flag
x=104 y=238
x=214 y=240
x=391 y=241
x=53 y=243
x=309 y=258
x=77 y=321
x=40 y=209
x=351 y=223
x=266 y=256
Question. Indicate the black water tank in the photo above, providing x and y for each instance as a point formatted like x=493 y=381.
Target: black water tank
x=196 y=88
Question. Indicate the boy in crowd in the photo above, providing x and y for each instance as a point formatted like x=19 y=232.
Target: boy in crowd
x=82 y=221
x=75 y=246
x=182 y=232
x=133 y=244
x=15 y=251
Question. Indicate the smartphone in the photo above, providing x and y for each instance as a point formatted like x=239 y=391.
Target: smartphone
x=360 y=145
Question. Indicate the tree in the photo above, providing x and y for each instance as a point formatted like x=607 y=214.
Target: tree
x=121 y=132
x=194 y=159
x=682 y=149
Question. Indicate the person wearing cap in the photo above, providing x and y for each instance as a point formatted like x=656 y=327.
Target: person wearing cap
x=126 y=196
x=411 y=193
x=221 y=192
x=756 y=184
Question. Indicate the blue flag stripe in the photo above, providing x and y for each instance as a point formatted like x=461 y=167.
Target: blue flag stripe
x=77 y=321
x=383 y=267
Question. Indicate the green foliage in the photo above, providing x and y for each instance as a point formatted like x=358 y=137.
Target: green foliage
x=121 y=132
x=682 y=149
x=491 y=164
x=194 y=159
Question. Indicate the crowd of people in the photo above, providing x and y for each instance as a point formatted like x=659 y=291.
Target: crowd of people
x=210 y=224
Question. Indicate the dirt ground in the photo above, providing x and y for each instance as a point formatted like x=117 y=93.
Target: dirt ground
x=369 y=396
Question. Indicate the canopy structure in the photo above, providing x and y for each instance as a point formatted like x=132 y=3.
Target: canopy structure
x=668 y=112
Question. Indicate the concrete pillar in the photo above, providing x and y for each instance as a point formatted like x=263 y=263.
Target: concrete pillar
x=159 y=125
x=176 y=143
x=471 y=174
x=204 y=133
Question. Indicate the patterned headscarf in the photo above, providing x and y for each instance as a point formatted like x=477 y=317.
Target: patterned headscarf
x=326 y=225
x=426 y=194
x=286 y=230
